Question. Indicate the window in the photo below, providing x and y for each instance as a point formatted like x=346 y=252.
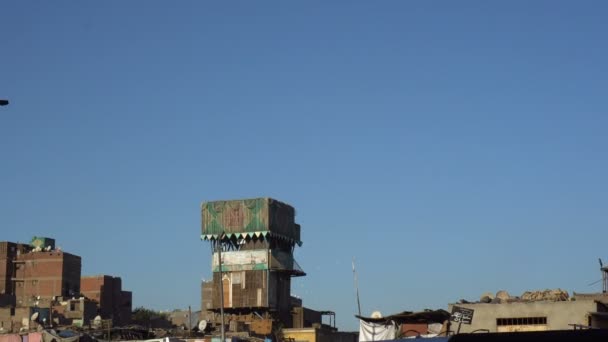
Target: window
x=521 y=321
x=236 y=278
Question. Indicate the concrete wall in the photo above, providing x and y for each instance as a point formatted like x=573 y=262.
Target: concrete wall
x=301 y=335
x=305 y=317
x=414 y=329
x=559 y=314
x=6 y=319
x=318 y=335
x=324 y=335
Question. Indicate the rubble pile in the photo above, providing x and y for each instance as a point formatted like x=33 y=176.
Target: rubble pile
x=557 y=295
x=554 y=295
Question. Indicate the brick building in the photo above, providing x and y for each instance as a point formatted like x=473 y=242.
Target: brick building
x=112 y=302
x=44 y=275
x=8 y=254
x=36 y=277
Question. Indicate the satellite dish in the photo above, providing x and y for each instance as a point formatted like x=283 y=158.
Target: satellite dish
x=97 y=321
x=202 y=325
x=34 y=316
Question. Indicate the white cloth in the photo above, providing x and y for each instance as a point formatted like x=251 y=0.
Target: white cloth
x=376 y=332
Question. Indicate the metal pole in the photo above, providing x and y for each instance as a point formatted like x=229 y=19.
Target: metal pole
x=219 y=257
x=189 y=320
x=356 y=286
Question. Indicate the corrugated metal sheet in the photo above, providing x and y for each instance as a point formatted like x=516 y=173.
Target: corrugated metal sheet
x=249 y=218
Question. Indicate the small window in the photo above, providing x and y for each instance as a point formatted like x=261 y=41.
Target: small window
x=521 y=321
x=236 y=278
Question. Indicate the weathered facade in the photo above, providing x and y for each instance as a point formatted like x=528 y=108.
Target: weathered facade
x=37 y=278
x=249 y=218
x=8 y=253
x=112 y=302
x=184 y=318
x=533 y=316
x=73 y=311
x=318 y=334
x=44 y=275
x=257 y=238
x=304 y=317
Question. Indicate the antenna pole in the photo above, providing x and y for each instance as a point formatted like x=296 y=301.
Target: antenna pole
x=189 y=321
x=219 y=257
x=604 y=277
x=356 y=287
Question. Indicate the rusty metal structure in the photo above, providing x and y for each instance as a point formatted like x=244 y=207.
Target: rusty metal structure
x=252 y=243
x=604 y=270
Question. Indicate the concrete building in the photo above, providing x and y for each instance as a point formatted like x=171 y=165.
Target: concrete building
x=112 y=302
x=534 y=316
x=78 y=312
x=601 y=297
x=184 y=318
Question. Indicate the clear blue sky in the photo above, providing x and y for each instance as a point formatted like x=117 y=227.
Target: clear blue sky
x=451 y=148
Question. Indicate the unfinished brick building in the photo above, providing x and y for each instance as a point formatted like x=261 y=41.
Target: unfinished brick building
x=44 y=275
x=112 y=302
x=8 y=253
x=39 y=278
